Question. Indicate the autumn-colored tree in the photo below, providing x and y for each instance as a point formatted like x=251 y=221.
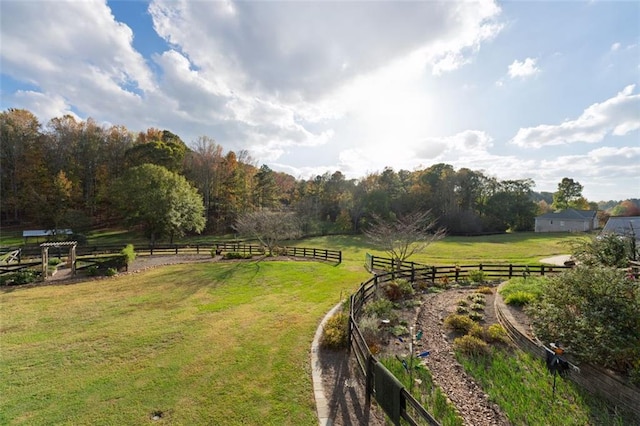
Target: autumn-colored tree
x=19 y=135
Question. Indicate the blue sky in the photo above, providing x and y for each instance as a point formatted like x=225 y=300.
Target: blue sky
x=540 y=90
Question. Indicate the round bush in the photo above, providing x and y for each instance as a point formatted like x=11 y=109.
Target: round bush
x=471 y=345
x=335 y=332
x=459 y=323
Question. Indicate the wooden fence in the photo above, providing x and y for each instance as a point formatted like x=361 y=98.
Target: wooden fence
x=408 y=408
x=416 y=272
x=89 y=255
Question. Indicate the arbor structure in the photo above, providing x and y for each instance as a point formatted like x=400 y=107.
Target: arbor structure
x=160 y=201
x=268 y=227
x=403 y=237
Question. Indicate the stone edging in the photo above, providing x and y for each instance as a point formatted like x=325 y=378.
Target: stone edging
x=322 y=405
x=591 y=378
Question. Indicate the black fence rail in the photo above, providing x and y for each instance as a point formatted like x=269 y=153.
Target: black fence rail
x=90 y=255
x=417 y=272
x=397 y=402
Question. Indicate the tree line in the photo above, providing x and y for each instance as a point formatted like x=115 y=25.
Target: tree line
x=78 y=174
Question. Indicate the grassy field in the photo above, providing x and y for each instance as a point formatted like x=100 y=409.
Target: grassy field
x=516 y=248
x=202 y=344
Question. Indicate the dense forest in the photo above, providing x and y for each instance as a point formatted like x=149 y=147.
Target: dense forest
x=61 y=175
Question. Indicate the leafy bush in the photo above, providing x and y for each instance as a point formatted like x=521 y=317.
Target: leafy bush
x=477 y=276
x=477 y=331
x=496 y=333
x=476 y=316
x=462 y=310
x=92 y=271
x=477 y=307
x=399 y=330
x=462 y=302
x=129 y=254
x=610 y=250
x=54 y=261
x=380 y=308
x=21 y=277
x=392 y=291
x=520 y=298
x=470 y=345
x=477 y=298
x=459 y=323
x=370 y=329
x=593 y=311
x=111 y=272
x=335 y=332
x=237 y=255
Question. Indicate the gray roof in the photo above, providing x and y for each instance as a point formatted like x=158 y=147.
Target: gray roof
x=570 y=214
x=623 y=225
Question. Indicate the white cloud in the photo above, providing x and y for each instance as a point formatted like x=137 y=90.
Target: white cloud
x=615 y=46
x=523 y=69
x=617 y=116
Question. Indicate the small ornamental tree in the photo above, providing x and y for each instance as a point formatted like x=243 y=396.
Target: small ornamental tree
x=404 y=236
x=268 y=227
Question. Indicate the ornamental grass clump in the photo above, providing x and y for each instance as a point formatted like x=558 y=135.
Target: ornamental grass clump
x=335 y=332
x=459 y=323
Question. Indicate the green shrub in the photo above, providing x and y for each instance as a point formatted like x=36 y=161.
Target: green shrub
x=21 y=277
x=335 y=332
x=476 y=316
x=54 y=261
x=462 y=302
x=520 y=298
x=471 y=345
x=380 y=308
x=477 y=331
x=370 y=329
x=594 y=311
x=111 y=272
x=462 y=310
x=477 y=307
x=477 y=298
x=405 y=288
x=129 y=254
x=237 y=255
x=495 y=333
x=399 y=330
x=459 y=323
x=92 y=271
x=477 y=276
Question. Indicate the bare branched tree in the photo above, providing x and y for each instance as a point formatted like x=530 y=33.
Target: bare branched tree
x=405 y=236
x=268 y=227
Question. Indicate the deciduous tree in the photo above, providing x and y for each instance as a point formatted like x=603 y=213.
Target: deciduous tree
x=403 y=237
x=160 y=201
x=268 y=227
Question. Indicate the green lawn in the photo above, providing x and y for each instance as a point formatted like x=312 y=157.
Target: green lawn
x=203 y=344
x=516 y=248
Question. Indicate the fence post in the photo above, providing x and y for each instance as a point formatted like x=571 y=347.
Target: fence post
x=340 y=256
x=542 y=270
x=433 y=274
x=413 y=272
x=510 y=270
x=197 y=248
x=480 y=267
x=368 y=381
x=176 y=249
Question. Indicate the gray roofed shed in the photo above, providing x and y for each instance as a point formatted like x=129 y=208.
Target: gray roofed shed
x=569 y=220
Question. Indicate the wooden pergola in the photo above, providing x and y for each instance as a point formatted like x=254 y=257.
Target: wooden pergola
x=45 y=255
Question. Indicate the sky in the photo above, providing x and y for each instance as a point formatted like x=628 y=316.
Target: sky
x=520 y=89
